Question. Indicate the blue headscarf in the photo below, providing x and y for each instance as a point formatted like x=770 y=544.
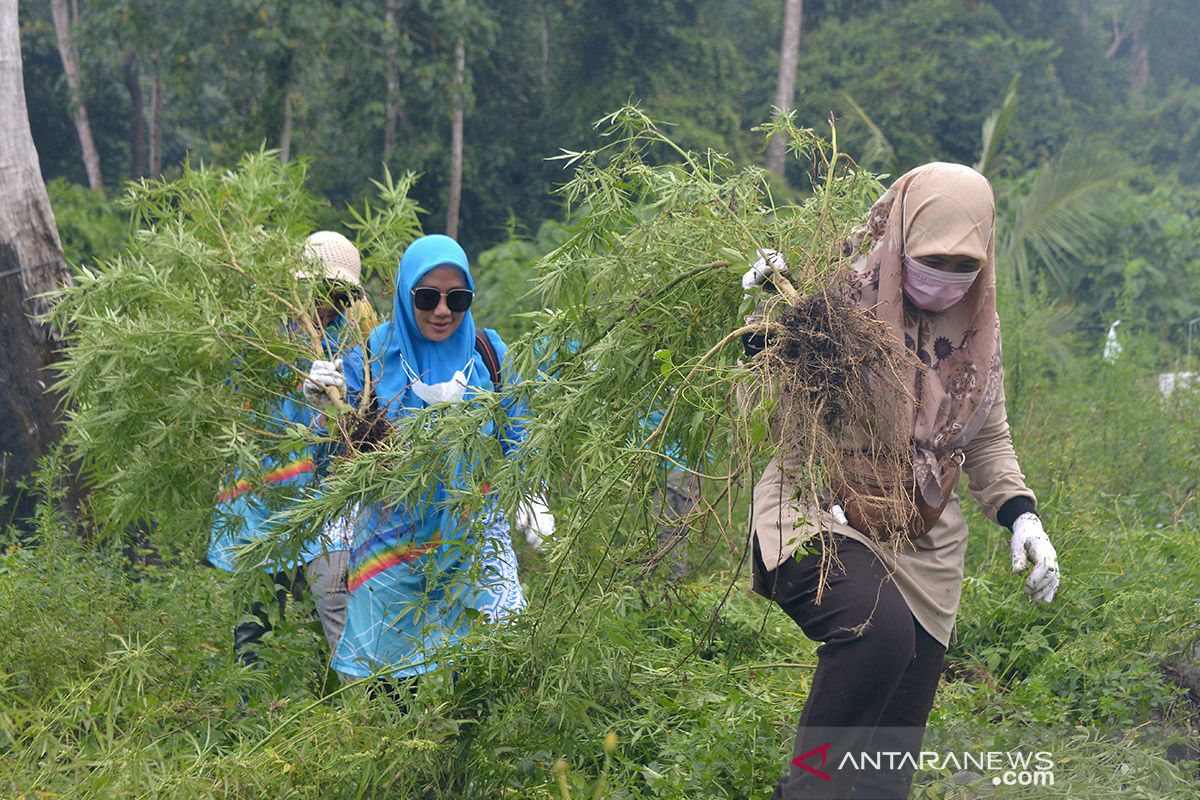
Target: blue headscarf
x=398 y=341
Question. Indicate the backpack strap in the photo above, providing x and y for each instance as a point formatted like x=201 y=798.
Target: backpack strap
x=372 y=403
x=485 y=348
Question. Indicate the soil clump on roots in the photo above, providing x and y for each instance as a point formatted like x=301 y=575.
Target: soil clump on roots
x=825 y=350
x=364 y=430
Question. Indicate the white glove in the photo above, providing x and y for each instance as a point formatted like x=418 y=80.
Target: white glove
x=320 y=375
x=769 y=262
x=535 y=521
x=1030 y=543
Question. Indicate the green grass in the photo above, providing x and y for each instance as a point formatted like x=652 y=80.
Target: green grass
x=116 y=688
x=117 y=682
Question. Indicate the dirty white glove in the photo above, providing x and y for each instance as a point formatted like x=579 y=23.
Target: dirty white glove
x=769 y=262
x=1031 y=544
x=535 y=521
x=320 y=375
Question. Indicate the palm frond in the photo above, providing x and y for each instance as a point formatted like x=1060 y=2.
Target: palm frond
x=878 y=152
x=1068 y=205
x=995 y=127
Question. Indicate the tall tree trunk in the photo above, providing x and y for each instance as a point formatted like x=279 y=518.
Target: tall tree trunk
x=285 y=131
x=31 y=264
x=785 y=86
x=456 y=129
x=156 y=122
x=391 y=18
x=544 y=23
x=1139 y=47
x=91 y=158
x=276 y=101
x=137 y=116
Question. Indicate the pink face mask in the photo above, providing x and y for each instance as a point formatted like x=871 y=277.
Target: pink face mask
x=932 y=289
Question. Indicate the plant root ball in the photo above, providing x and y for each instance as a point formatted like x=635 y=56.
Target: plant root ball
x=840 y=378
x=364 y=431
x=829 y=355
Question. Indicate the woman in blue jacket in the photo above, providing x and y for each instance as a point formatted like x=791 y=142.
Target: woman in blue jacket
x=415 y=572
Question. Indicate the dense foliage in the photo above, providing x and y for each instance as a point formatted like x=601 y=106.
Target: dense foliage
x=119 y=682
x=695 y=680
x=619 y=293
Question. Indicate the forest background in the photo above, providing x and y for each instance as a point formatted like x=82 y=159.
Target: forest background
x=353 y=87
x=1084 y=113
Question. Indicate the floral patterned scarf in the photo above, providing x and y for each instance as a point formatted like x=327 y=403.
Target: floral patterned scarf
x=936 y=209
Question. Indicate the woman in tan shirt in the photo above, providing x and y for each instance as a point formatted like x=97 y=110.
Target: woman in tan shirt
x=886 y=613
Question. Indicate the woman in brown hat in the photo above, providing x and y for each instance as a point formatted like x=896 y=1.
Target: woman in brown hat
x=886 y=612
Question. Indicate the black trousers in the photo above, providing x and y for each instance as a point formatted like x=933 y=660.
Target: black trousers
x=877 y=672
x=255 y=624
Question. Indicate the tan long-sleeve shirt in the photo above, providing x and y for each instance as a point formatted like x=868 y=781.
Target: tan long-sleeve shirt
x=928 y=573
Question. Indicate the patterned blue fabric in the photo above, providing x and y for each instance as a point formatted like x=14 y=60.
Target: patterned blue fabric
x=407 y=619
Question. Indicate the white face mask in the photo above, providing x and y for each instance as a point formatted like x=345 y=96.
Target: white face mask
x=451 y=391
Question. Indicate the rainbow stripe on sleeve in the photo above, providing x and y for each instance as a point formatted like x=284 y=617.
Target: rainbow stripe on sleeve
x=277 y=475
x=382 y=552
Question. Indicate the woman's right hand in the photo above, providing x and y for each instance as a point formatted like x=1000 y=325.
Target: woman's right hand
x=320 y=375
x=769 y=263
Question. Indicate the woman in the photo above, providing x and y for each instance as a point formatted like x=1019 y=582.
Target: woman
x=886 y=613
x=415 y=572
x=243 y=516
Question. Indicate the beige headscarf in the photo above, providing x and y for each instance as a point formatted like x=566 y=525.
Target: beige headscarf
x=936 y=209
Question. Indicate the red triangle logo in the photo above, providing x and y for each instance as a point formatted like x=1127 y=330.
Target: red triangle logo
x=823 y=751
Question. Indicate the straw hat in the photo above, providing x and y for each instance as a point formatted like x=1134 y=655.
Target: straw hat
x=337 y=254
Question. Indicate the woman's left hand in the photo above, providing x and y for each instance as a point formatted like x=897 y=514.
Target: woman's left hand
x=535 y=521
x=1031 y=544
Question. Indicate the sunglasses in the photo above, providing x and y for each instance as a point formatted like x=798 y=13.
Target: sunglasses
x=426 y=298
x=341 y=296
